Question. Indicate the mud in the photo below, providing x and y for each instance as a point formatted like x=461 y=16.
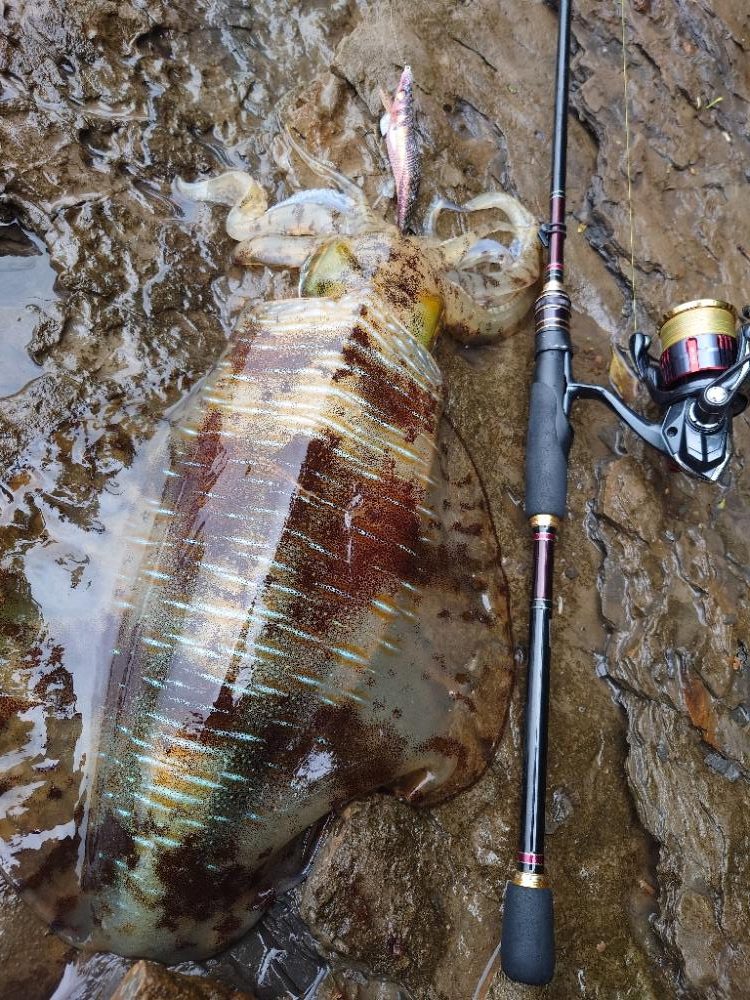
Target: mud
x=101 y=106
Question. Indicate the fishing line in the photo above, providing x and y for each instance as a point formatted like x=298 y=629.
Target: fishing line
x=628 y=161
x=396 y=43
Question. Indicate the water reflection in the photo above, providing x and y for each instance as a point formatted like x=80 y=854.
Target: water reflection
x=27 y=281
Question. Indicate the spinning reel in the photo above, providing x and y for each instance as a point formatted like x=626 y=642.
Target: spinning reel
x=696 y=384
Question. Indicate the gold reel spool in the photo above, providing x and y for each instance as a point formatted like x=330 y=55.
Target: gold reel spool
x=697 y=338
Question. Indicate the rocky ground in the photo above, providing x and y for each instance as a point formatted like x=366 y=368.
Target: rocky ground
x=101 y=105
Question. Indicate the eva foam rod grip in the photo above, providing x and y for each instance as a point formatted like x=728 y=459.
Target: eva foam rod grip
x=547 y=447
x=527 y=949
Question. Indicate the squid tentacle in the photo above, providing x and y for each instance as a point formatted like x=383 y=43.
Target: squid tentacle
x=286 y=233
x=484 y=251
x=236 y=188
x=487 y=285
x=501 y=298
x=324 y=170
x=312 y=216
x=469 y=322
x=230 y=188
x=438 y=205
x=275 y=250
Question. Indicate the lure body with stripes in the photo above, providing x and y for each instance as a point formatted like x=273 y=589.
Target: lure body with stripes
x=311 y=607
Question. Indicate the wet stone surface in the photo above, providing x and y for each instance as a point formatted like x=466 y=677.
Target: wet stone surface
x=101 y=106
x=149 y=981
x=32 y=959
x=360 y=897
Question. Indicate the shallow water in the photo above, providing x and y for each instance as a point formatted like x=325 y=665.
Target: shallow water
x=652 y=680
x=27 y=282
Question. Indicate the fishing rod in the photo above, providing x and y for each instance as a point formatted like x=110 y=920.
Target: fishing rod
x=695 y=383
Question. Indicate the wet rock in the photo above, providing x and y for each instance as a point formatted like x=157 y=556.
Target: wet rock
x=351 y=985
x=150 y=981
x=91 y=975
x=699 y=820
x=723 y=766
x=389 y=890
x=561 y=810
x=32 y=958
x=280 y=957
x=676 y=658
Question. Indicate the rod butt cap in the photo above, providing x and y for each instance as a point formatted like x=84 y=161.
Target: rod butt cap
x=527 y=952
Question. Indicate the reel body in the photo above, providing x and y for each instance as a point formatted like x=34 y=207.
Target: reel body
x=696 y=383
